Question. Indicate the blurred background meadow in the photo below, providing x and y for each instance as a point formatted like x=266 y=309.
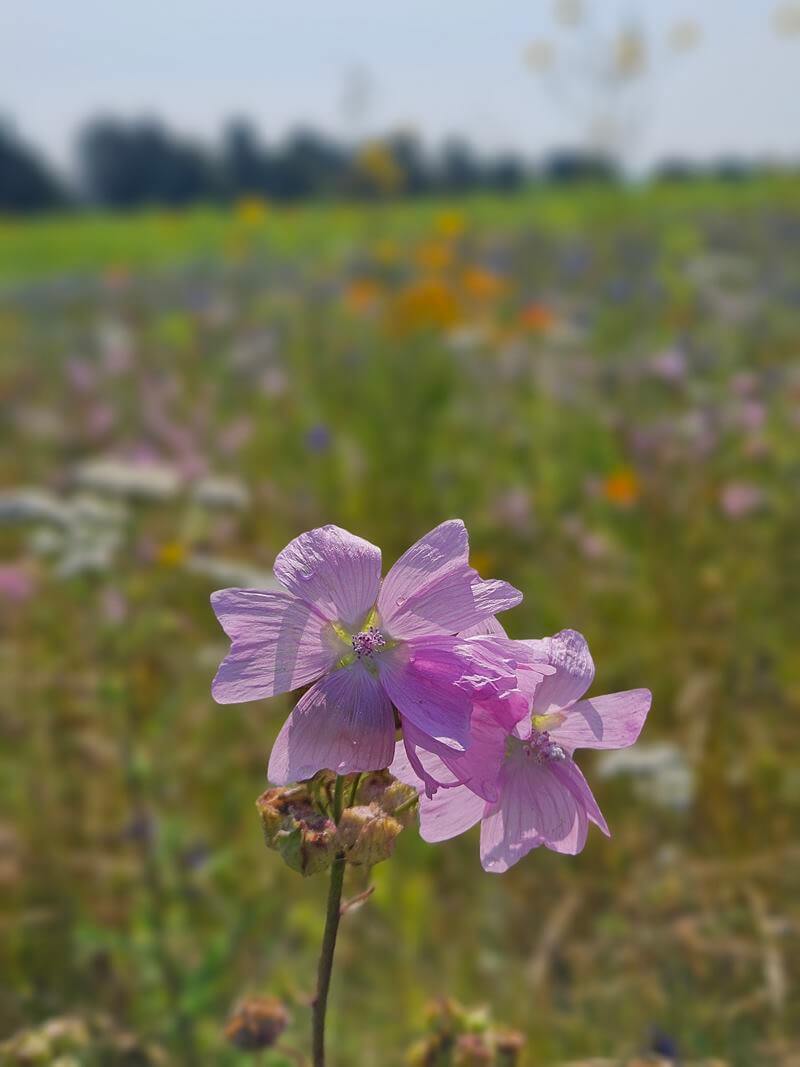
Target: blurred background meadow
x=537 y=267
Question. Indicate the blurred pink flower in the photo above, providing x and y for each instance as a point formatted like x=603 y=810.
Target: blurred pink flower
x=17 y=583
x=738 y=499
x=669 y=365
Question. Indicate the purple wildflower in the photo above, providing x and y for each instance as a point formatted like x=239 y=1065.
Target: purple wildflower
x=540 y=795
x=370 y=647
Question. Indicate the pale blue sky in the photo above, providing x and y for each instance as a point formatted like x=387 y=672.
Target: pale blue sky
x=441 y=66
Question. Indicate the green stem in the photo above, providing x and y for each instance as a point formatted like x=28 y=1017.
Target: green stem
x=354 y=790
x=332 y=917
x=406 y=805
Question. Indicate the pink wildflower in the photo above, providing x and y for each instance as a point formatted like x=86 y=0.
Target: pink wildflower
x=370 y=647
x=739 y=499
x=541 y=797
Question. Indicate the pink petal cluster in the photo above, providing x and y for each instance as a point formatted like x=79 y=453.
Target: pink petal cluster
x=539 y=795
x=370 y=647
x=488 y=724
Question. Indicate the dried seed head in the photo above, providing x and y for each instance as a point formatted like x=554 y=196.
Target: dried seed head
x=367 y=834
x=257 y=1023
x=305 y=838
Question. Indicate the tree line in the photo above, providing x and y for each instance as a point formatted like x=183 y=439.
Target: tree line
x=126 y=165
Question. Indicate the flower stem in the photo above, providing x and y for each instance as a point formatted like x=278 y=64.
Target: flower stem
x=333 y=914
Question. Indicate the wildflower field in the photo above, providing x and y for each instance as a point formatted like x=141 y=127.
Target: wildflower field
x=605 y=385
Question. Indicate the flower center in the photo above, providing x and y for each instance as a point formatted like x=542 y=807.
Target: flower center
x=541 y=747
x=368 y=641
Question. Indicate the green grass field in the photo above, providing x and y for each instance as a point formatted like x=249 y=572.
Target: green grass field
x=605 y=386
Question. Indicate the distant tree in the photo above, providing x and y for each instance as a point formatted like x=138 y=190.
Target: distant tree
x=676 y=170
x=459 y=168
x=732 y=169
x=568 y=166
x=408 y=155
x=129 y=165
x=307 y=164
x=26 y=182
x=245 y=166
x=506 y=173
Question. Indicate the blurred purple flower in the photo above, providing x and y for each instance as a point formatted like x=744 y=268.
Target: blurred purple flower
x=542 y=797
x=81 y=375
x=369 y=645
x=318 y=438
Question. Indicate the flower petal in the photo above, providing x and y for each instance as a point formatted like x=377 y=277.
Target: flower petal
x=421 y=685
x=456 y=600
x=278 y=644
x=536 y=807
x=479 y=767
x=433 y=590
x=487 y=628
x=434 y=682
x=344 y=723
x=569 y=653
x=334 y=570
x=571 y=776
x=451 y=811
x=422 y=564
x=612 y=721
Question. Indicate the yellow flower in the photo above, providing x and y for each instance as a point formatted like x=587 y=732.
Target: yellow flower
x=427 y=304
x=250 y=210
x=377 y=165
x=450 y=224
x=171 y=554
x=385 y=252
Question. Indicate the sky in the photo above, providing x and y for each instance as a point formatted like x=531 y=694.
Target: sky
x=441 y=68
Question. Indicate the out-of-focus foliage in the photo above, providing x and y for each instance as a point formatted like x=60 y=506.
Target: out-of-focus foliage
x=606 y=386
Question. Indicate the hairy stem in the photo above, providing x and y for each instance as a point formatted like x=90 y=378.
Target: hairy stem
x=333 y=914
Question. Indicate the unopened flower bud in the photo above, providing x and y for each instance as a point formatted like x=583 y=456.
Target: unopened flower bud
x=257 y=1023
x=305 y=838
x=367 y=834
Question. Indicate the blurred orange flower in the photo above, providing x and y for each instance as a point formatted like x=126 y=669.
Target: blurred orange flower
x=424 y=305
x=482 y=284
x=537 y=317
x=434 y=256
x=621 y=487
x=361 y=295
